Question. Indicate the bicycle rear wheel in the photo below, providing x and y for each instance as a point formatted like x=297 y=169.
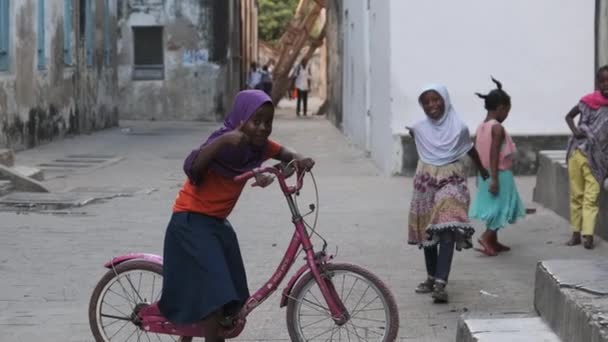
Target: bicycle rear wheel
x=118 y=296
x=372 y=308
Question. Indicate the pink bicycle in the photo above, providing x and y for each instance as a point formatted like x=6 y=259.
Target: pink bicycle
x=325 y=301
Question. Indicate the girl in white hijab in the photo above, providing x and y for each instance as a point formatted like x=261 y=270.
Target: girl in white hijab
x=438 y=218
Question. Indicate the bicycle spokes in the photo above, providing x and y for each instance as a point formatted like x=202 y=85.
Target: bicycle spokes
x=368 y=313
x=122 y=298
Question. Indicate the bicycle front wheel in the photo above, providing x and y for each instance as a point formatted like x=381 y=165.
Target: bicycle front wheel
x=372 y=308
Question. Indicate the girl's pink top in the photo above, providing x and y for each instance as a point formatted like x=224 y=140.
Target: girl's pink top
x=483 y=144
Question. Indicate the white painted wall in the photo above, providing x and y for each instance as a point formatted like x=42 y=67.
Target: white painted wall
x=366 y=78
x=384 y=150
x=542 y=51
x=602 y=34
x=355 y=76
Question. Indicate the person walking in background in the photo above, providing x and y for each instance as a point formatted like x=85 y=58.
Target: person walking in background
x=302 y=76
x=266 y=79
x=588 y=160
x=497 y=202
x=438 y=218
x=270 y=65
x=254 y=78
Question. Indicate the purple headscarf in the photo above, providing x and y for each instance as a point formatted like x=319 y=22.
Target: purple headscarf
x=232 y=161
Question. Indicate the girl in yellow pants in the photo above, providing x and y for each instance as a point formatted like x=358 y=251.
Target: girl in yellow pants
x=588 y=160
x=584 y=195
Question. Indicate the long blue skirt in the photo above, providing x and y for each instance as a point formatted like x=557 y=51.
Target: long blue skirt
x=203 y=270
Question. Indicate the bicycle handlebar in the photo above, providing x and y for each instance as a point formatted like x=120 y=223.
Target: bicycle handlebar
x=244 y=176
x=287 y=189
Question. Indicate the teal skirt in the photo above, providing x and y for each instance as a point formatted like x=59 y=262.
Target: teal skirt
x=497 y=211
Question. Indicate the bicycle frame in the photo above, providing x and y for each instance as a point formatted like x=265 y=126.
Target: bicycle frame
x=313 y=261
x=152 y=320
x=300 y=239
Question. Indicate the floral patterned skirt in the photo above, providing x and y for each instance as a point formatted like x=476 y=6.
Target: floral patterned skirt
x=440 y=202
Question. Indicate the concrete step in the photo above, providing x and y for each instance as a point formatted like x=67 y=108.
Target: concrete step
x=7 y=158
x=552 y=189
x=558 y=154
x=23 y=182
x=552 y=184
x=527 y=329
x=572 y=297
x=6 y=186
x=30 y=172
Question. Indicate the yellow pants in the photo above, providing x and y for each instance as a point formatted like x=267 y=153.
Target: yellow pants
x=584 y=194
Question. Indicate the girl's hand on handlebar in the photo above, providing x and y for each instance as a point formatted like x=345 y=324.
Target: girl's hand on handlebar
x=263 y=180
x=286 y=171
x=306 y=163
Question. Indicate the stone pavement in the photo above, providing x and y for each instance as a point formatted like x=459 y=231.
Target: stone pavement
x=50 y=262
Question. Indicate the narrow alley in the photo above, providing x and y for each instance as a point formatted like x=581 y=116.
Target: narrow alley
x=51 y=260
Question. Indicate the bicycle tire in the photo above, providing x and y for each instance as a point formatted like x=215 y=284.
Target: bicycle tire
x=142 y=265
x=380 y=287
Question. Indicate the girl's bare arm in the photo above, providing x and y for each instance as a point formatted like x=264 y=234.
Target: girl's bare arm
x=498 y=136
x=475 y=157
x=286 y=155
x=573 y=113
x=204 y=155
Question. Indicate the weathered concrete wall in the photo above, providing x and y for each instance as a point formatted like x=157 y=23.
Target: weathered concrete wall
x=602 y=219
x=572 y=297
x=37 y=106
x=553 y=188
x=525 y=161
x=601 y=32
x=97 y=85
x=195 y=44
x=249 y=36
x=334 y=41
x=357 y=76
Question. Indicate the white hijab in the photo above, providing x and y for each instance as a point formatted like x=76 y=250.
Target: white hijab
x=444 y=141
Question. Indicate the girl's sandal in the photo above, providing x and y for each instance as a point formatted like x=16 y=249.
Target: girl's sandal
x=426 y=286
x=487 y=250
x=502 y=248
x=574 y=240
x=588 y=241
x=440 y=296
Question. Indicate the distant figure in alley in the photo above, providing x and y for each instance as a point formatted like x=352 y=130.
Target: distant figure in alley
x=254 y=78
x=302 y=76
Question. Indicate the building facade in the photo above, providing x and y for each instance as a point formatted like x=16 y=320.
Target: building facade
x=57 y=69
x=180 y=59
x=388 y=50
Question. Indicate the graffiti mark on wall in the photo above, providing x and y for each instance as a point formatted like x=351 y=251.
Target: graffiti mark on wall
x=195 y=57
x=145 y=6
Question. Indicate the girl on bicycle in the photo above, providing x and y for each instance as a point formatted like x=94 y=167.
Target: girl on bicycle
x=204 y=278
x=438 y=219
x=497 y=202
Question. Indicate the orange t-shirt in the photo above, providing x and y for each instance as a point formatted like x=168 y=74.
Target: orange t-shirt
x=216 y=195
